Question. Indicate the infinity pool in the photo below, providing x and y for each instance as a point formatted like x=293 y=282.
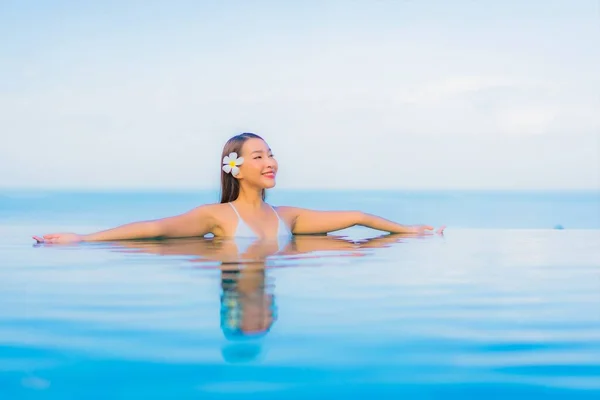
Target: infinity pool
x=476 y=312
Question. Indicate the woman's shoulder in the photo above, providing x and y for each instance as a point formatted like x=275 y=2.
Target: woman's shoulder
x=286 y=211
x=214 y=210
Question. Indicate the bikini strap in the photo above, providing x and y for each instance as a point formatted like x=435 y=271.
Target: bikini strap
x=282 y=223
x=235 y=210
x=276 y=213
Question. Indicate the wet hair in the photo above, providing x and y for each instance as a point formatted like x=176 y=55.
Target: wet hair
x=230 y=186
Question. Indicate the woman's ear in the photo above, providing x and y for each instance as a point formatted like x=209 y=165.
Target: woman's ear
x=240 y=175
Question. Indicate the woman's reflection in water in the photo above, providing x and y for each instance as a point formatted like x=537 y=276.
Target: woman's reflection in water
x=247 y=303
x=248 y=312
x=248 y=307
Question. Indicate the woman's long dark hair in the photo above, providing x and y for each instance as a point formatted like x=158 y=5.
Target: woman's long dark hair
x=230 y=186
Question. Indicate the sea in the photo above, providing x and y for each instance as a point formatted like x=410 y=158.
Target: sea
x=504 y=304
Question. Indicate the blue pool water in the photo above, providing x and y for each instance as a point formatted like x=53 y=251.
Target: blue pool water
x=502 y=305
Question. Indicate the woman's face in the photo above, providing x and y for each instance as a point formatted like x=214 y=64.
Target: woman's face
x=260 y=167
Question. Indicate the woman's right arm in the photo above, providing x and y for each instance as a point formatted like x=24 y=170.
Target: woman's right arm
x=196 y=222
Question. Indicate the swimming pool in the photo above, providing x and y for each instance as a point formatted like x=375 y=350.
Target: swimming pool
x=494 y=312
x=501 y=305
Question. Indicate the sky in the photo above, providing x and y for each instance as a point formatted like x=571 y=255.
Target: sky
x=349 y=94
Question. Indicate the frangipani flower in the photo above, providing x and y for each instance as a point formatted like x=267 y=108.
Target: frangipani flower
x=231 y=163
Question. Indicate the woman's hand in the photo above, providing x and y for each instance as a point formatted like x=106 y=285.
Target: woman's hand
x=59 y=238
x=426 y=230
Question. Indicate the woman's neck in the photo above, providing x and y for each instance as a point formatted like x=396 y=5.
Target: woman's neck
x=250 y=198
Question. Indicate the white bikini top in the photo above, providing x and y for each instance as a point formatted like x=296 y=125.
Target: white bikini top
x=243 y=230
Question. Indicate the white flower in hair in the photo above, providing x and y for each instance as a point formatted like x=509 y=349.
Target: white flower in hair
x=231 y=163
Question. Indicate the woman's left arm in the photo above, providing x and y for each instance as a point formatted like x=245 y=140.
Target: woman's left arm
x=306 y=221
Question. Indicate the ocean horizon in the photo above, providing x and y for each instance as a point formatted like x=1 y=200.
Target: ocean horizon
x=498 y=209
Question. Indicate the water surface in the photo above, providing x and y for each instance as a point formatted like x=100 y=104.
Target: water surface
x=481 y=311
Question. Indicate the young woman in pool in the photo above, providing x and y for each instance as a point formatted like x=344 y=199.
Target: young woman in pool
x=248 y=169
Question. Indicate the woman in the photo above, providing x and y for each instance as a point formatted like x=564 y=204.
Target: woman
x=248 y=170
